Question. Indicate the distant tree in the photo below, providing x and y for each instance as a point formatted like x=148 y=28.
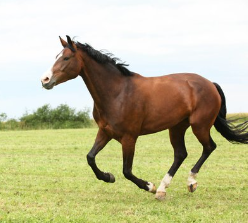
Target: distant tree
x=83 y=116
x=3 y=117
x=63 y=113
x=12 y=124
x=43 y=114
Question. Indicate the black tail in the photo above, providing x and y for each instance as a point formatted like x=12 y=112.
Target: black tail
x=234 y=134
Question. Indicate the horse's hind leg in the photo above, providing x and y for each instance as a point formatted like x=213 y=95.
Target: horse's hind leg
x=177 y=140
x=203 y=135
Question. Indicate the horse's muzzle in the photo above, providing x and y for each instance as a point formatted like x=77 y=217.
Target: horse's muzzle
x=48 y=85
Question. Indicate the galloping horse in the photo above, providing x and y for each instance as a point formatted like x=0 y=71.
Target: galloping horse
x=127 y=105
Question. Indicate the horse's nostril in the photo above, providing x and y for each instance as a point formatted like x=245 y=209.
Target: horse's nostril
x=45 y=80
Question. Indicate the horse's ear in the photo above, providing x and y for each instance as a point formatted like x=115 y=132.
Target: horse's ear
x=69 y=40
x=71 y=44
x=63 y=42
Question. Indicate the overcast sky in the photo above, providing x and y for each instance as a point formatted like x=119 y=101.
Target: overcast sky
x=208 y=37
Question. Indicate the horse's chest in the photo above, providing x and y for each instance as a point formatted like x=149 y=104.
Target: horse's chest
x=112 y=131
x=112 y=128
x=112 y=123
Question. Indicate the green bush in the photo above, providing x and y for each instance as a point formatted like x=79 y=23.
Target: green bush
x=62 y=117
x=10 y=124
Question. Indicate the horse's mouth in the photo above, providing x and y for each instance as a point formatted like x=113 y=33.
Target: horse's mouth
x=49 y=86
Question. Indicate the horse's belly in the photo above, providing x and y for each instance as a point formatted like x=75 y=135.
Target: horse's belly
x=161 y=123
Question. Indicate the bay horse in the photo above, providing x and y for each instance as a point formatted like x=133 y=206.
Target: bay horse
x=127 y=105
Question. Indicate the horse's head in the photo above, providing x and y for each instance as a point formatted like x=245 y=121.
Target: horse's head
x=66 y=67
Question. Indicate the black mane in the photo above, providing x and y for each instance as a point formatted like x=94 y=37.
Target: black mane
x=103 y=58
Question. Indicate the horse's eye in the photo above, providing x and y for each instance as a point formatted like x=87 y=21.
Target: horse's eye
x=66 y=58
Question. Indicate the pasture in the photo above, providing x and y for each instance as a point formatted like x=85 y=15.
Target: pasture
x=44 y=177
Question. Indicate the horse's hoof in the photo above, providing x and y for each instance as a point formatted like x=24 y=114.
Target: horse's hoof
x=111 y=178
x=192 y=187
x=152 y=188
x=160 y=195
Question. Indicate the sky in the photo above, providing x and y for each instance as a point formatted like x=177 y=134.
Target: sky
x=208 y=37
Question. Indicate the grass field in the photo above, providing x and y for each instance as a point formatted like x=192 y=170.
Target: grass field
x=44 y=177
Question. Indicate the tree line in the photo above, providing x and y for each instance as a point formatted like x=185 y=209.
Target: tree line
x=46 y=117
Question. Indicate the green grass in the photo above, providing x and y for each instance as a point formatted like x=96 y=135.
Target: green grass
x=44 y=177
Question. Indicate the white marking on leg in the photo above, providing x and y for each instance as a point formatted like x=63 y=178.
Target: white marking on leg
x=191 y=179
x=164 y=183
x=150 y=186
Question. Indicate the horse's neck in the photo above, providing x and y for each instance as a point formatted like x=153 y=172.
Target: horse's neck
x=104 y=82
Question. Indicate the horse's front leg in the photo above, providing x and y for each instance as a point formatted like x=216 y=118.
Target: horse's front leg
x=101 y=140
x=128 y=148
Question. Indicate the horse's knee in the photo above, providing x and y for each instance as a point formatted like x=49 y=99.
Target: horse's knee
x=180 y=157
x=183 y=156
x=90 y=159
